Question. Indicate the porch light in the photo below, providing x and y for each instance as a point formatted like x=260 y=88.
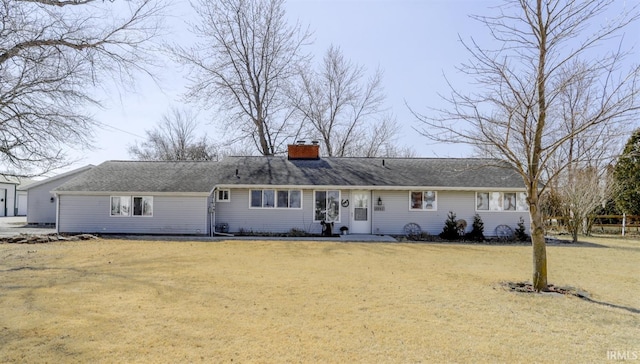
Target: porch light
x=379 y=201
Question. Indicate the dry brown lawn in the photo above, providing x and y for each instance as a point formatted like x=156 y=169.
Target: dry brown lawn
x=120 y=301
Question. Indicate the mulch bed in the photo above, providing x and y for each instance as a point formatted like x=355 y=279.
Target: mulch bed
x=527 y=287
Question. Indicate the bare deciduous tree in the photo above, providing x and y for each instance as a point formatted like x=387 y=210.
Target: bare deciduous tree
x=517 y=113
x=244 y=65
x=52 y=55
x=175 y=139
x=344 y=110
x=379 y=140
x=581 y=194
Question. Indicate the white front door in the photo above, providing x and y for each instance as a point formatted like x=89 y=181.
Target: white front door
x=360 y=212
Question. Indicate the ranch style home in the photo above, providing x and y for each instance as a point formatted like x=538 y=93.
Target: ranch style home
x=298 y=191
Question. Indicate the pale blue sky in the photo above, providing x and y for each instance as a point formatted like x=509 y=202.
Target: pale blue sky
x=413 y=42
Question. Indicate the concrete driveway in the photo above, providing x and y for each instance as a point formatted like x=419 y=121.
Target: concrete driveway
x=16 y=225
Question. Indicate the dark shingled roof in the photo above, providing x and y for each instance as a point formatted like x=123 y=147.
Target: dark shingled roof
x=370 y=172
x=145 y=176
x=202 y=177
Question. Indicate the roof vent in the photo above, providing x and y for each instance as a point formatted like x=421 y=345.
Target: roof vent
x=301 y=142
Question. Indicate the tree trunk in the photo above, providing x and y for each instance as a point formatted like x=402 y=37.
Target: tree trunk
x=539 y=245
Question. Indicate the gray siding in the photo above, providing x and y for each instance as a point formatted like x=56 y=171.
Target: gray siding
x=396 y=213
x=171 y=215
x=40 y=209
x=237 y=214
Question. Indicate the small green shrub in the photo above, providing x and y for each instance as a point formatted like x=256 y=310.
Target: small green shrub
x=477 y=229
x=450 y=230
x=521 y=231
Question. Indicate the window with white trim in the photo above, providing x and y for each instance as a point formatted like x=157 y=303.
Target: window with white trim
x=142 y=206
x=327 y=205
x=423 y=200
x=223 y=196
x=501 y=201
x=122 y=206
x=282 y=199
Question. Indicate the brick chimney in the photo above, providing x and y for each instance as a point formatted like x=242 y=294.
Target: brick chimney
x=301 y=150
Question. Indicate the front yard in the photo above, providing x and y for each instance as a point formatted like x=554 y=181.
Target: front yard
x=257 y=301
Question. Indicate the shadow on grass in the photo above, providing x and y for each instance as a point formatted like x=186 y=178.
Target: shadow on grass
x=527 y=287
x=607 y=304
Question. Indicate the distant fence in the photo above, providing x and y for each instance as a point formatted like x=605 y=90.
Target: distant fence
x=604 y=223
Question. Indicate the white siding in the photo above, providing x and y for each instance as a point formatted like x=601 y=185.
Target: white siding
x=171 y=215
x=237 y=214
x=396 y=213
x=22 y=203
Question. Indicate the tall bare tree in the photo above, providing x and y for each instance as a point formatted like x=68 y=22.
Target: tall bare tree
x=580 y=169
x=345 y=110
x=580 y=196
x=517 y=113
x=53 y=53
x=244 y=64
x=175 y=139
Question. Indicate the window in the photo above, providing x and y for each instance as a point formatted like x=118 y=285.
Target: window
x=295 y=199
x=282 y=199
x=223 y=196
x=120 y=205
x=256 y=198
x=143 y=206
x=495 y=201
x=521 y=202
x=327 y=205
x=268 y=198
x=501 y=201
x=423 y=200
x=509 y=201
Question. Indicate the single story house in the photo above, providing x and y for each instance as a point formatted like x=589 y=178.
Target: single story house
x=298 y=191
x=39 y=201
x=138 y=197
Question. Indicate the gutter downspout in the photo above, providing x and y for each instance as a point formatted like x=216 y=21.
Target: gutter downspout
x=57 y=197
x=212 y=214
